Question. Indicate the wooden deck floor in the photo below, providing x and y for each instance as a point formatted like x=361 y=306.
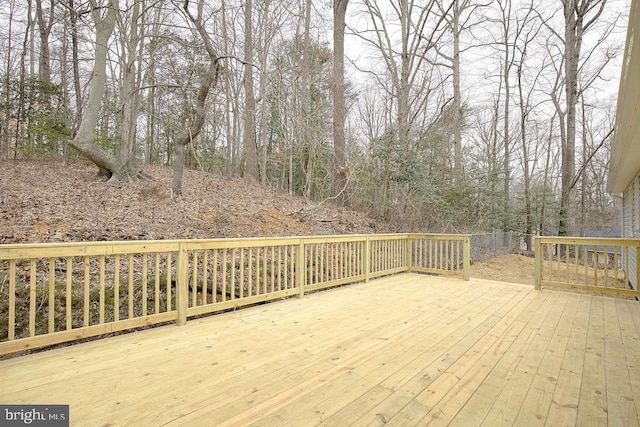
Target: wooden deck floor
x=403 y=350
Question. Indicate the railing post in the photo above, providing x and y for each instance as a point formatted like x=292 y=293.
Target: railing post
x=367 y=258
x=466 y=258
x=182 y=285
x=300 y=268
x=537 y=251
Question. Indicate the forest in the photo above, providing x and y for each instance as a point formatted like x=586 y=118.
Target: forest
x=437 y=115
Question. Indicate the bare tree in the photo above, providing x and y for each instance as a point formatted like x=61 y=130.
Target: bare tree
x=579 y=16
x=210 y=79
x=459 y=17
x=339 y=108
x=250 y=149
x=84 y=141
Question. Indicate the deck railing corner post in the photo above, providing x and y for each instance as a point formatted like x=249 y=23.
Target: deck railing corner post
x=182 y=287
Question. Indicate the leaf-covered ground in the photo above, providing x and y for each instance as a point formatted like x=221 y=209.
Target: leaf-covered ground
x=56 y=201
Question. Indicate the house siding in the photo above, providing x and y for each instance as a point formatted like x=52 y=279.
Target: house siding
x=631 y=224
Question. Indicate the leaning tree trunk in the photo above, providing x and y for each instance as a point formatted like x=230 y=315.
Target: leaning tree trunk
x=184 y=139
x=84 y=141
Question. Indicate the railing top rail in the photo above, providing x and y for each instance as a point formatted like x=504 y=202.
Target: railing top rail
x=439 y=236
x=41 y=250
x=589 y=240
x=44 y=250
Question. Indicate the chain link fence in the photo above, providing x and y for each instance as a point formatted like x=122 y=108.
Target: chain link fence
x=488 y=245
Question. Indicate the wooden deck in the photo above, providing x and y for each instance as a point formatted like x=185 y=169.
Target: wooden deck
x=403 y=350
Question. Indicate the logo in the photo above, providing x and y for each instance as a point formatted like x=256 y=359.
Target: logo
x=34 y=415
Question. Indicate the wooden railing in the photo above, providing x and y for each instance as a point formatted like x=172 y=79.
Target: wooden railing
x=592 y=264
x=53 y=293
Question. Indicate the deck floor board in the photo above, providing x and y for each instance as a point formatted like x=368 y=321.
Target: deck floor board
x=408 y=349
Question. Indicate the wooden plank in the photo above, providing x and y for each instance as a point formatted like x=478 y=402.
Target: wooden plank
x=564 y=404
x=364 y=394
x=593 y=392
x=630 y=337
x=266 y=398
x=470 y=372
x=618 y=384
x=478 y=405
x=449 y=344
x=536 y=403
x=543 y=322
x=351 y=356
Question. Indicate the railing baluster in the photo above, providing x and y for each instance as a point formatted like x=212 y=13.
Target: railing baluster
x=116 y=287
x=156 y=306
x=69 y=294
x=33 y=286
x=130 y=289
x=169 y=270
x=194 y=280
x=144 y=283
x=12 y=300
x=52 y=294
x=615 y=266
x=292 y=252
x=242 y=267
x=606 y=267
x=214 y=281
x=250 y=272
x=102 y=286
x=224 y=274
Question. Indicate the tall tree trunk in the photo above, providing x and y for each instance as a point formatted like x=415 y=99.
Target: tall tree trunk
x=575 y=12
x=75 y=64
x=229 y=134
x=45 y=24
x=506 y=165
x=130 y=92
x=250 y=148
x=5 y=116
x=568 y=167
x=404 y=128
x=44 y=29
x=457 y=97
x=525 y=161
x=339 y=109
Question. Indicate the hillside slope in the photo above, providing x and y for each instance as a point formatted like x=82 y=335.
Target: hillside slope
x=56 y=201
